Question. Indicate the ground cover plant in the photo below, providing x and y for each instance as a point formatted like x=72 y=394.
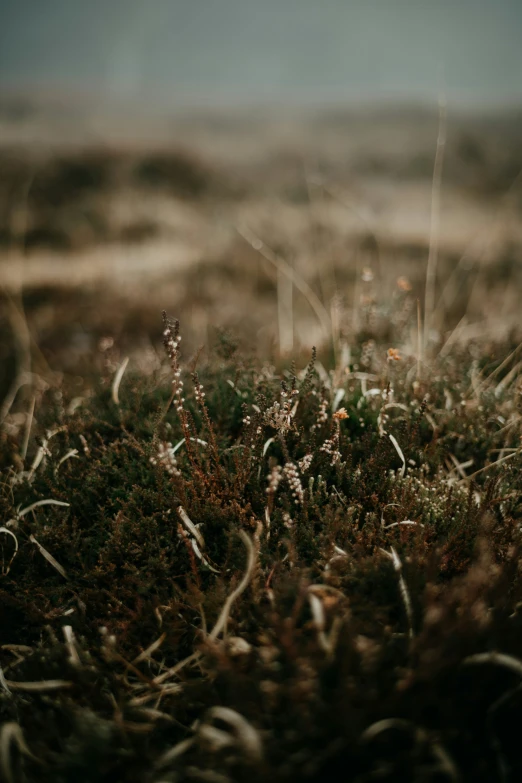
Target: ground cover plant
x=228 y=569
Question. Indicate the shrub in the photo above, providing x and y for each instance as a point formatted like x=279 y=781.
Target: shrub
x=310 y=574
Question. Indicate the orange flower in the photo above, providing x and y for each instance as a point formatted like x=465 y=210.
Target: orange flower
x=340 y=414
x=393 y=355
x=404 y=284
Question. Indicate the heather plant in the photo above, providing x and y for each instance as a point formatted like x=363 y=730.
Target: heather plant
x=228 y=571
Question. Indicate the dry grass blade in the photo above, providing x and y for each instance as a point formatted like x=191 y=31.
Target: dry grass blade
x=498 y=659
x=117 y=380
x=420 y=352
x=404 y=522
x=384 y=725
x=242 y=586
x=11 y=735
x=195 y=656
x=431 y=268
x=153 y=714
x=214 y=739
x=72 y=453
x=267 y=444
x=47 y=502
x=492 y=465
x=285 y=314
x=3 y=682
x=223 y=617
x=191 y=527
x=197 y=539
x=7 y=532
x=23 y=379
x=446 y=763
x=326 y=641
x=70 y=641
x=28 y=425
x=316 y=607
x=182 y=443
x=339 y=396
x=496 y=372
x=386 y=407
x=461 y=466
x=392 y=554
x=298 y=281
x=39 y=687
x=50 y=559
x=247 y=736
x=37 y=461
x=454 y=336
x=175 y=752
x=20 y=330
x=399 y=452
x=504 y=383
x=146 y=654
x=202 y=557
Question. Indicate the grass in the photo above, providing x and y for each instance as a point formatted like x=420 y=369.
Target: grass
x=249 y=572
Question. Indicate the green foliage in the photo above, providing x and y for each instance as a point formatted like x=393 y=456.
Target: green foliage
x=327 y=549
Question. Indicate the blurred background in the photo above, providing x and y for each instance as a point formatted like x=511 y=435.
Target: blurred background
x=268 y=167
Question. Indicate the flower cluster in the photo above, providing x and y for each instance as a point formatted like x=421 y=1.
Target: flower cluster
x=393 y=355
x=281 y=414
x=331 y=446
x=305 y=462
x=165 y=457
x=292 y=476
x=273 y=478
x=198 y=390
x=171 y=341
x=322 y=416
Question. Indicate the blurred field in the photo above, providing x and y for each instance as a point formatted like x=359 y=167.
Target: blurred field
x=230 y=219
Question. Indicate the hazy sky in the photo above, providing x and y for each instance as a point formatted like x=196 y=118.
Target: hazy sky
x=263 y=49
